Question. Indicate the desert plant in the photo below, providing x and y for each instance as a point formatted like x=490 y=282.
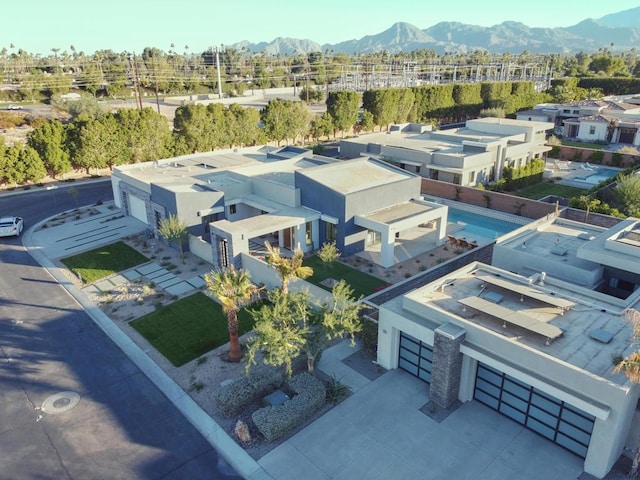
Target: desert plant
x=336 y=390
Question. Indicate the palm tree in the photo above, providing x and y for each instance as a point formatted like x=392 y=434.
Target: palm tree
x=288 y=268
x=234 y=290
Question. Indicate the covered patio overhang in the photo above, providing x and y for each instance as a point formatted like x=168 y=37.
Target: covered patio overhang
x=288 y=223
x=393 y=220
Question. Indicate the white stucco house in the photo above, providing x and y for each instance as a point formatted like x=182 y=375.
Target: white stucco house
x=610 y=120
x=533 y=336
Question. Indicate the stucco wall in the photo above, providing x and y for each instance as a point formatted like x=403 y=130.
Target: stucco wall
x=584 y=154
x=499 y=201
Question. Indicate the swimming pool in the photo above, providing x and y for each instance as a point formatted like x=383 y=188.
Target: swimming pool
x=598 y=175
x=479 y=227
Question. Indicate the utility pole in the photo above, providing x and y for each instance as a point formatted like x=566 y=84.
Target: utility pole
x=136 y=83
x=307 y=87
x=218 y=70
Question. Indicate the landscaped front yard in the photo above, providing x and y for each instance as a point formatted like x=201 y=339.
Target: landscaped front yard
x=189 y=328
x=361 y=283
x=102 y=262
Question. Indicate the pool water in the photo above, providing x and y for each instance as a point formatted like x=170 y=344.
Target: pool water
x=598 y=176
x=480 y=227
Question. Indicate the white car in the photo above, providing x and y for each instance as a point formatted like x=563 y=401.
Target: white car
x=14 y=107
x=10 y=226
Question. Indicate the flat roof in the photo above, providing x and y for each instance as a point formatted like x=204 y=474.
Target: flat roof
x=575 y=345
x=224 y=167
x=356 y=175
x=560 y=240
x=398 y=212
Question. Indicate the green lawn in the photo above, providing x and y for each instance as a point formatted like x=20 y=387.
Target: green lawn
x=593 y=146
x=361 y=283
x=104 y=261
x=189 y=327
x=541 y=190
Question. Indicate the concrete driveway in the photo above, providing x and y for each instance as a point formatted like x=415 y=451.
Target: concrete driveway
x=380 y=433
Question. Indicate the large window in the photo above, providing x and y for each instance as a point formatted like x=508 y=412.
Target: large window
x=308 y=233
x=329 y=232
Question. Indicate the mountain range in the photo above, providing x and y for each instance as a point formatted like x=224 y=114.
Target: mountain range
x=618 y=31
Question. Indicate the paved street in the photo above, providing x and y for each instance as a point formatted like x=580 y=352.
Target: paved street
x=123 y=426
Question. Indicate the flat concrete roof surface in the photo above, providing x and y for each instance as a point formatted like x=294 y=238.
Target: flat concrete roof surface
x=399 y=212
x=575 y=346
x=355 y=175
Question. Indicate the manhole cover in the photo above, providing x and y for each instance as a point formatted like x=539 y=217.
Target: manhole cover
x=60 y=402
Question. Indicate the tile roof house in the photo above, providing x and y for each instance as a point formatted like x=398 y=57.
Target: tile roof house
x=610 y=120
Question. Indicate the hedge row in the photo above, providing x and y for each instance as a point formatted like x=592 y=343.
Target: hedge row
x=235 y=396
x=274 y=422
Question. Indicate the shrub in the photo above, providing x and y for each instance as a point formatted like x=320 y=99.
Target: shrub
x=336 y=390
x=273 y=422
x=232 y=398
x=369 y=335
x=597 y=156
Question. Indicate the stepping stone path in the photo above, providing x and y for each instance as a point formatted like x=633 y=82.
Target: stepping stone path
x=155 y=273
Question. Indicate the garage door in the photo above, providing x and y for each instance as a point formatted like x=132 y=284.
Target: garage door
x=137 y=208
x=554 y=419
x=415 y=357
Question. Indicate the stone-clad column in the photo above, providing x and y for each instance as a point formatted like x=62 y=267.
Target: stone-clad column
x=447 y=364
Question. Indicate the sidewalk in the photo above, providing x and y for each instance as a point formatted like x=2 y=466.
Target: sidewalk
x=51 y=243
x=106 y=226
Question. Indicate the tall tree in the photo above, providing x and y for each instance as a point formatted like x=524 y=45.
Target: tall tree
x=146 y=134
x=49 y=141
x=343 y=107
x=32 y=165
x=275 y=120
x=100 y=144
x=234 y=290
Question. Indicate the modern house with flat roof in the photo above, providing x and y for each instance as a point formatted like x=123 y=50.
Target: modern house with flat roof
x=233 y=201
x=468 y=156
x=534 y=336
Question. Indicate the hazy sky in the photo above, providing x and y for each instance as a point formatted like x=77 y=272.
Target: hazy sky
x=130 y=25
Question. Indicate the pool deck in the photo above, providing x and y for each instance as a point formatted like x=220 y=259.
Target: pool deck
x=416 y=242
x=571 y=173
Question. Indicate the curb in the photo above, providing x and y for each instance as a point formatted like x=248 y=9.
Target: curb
x=241 y=461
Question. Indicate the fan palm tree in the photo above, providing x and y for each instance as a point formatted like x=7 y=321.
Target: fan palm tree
x=234 y=290
x=288 y=268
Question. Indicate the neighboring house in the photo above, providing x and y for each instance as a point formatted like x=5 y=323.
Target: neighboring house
x=468 y=156
x=610 y=120
x=534 y=336
x=234 y=201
